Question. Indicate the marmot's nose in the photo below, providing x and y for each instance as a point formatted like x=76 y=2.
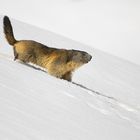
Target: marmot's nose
x=89 y=57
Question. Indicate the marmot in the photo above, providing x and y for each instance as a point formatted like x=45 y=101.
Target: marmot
x=58 y=62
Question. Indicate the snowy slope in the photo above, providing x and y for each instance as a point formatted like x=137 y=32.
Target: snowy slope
x=37 y=106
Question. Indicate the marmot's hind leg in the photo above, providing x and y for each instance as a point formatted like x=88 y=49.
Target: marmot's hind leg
x=15 y=54
x=67 y=76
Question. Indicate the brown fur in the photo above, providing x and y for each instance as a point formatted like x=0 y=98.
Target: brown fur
x=59 y=62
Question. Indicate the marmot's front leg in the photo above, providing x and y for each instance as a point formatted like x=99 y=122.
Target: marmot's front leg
x=67 y=76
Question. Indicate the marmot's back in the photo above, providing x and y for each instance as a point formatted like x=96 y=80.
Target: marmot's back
x=25 y=46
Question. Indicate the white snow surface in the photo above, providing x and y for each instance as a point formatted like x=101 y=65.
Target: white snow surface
x=37 y=106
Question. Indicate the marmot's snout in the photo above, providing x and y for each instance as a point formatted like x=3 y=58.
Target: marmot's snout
x=87 y=57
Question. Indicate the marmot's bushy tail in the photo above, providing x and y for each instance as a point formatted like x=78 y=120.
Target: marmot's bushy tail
x=8 y=30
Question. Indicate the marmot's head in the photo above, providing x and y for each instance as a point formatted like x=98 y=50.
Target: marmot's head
x=80 y=56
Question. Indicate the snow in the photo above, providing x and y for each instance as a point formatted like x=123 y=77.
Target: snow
x=37 y=106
